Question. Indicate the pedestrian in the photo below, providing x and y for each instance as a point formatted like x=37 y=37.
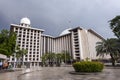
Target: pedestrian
x=1 y=64
x=5 y=64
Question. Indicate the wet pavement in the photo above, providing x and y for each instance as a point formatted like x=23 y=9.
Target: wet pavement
x=60 y=73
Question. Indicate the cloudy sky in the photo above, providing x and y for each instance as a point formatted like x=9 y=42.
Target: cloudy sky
x=56 y=15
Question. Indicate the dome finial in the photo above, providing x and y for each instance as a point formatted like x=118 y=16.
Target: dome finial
x=25 y=20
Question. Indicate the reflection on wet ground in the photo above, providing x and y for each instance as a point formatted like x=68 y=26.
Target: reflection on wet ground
x=61 y=73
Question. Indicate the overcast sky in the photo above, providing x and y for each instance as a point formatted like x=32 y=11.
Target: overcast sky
x=56 y=15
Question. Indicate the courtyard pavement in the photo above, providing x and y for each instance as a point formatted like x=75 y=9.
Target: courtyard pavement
x=59 y=73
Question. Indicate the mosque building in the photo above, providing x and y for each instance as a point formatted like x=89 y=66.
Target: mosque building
x=79 y=42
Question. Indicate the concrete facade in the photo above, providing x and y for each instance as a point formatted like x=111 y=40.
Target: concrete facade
x=79 y=42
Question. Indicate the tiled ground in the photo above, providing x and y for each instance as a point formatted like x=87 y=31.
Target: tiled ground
x=61 y=73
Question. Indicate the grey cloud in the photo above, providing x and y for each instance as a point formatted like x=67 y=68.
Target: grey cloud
x=56 y=15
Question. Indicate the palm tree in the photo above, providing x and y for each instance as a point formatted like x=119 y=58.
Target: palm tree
x=66 y=56
x=20 y=54
x=51 y=58
x=44 y=59
x=48 y=58
x=115 y=26
x=58 y=59
x=109 y=47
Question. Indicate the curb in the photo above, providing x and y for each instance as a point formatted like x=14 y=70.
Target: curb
x=84 y=73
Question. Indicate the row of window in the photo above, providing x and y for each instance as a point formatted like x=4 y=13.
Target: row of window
x=32 y=55
x=27 y=42
x=31 y=40
x=27 y=36
x=28 y=30
x=30 y=59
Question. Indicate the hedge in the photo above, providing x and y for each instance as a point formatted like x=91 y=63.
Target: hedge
x=87 y=66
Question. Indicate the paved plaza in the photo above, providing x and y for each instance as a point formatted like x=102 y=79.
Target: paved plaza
x=59 y=73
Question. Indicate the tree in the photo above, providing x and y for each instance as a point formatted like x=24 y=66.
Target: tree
x=66 y=56
x=58 y=59
x=7 y=42
x=20 y=54
x=44 y=59
x=51 y=58
x=48 y=58
x=109 y=47
x=115 y=26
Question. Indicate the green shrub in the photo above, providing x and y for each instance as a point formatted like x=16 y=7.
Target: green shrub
x=87 y=66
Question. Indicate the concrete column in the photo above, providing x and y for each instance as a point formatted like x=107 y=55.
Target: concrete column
x=73 y=49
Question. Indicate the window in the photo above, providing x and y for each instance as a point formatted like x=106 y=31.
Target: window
x=37 y=52
x=37 y=59
x=16 y=28
x=33 y=59
x=20 y=28
x=25 y=59
x=26 y=45
x=33 y=55
x=12 y=59
x=30 y=59
x=22 y=45
x=18 y=41
x=37 y=49
x=33 y=52
x=19 y=35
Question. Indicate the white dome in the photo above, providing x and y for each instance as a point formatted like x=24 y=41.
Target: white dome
x=66 y=31
x=25 y=21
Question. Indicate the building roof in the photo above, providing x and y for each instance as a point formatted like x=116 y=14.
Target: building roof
x=3 y=56
x=75 y=28
x=95 y=33
x=66 y=31
x=27 y=27
x=47 y=35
